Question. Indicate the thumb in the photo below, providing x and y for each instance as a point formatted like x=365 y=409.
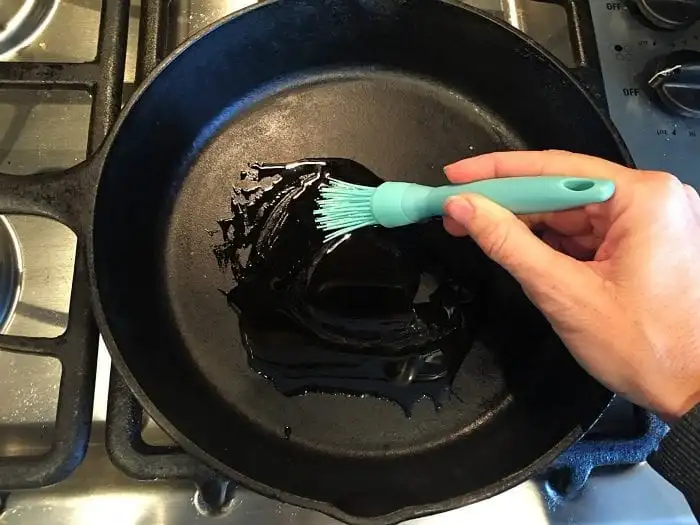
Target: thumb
x=508 y=241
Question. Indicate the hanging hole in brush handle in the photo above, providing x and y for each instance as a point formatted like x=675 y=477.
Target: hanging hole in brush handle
x=578 y=184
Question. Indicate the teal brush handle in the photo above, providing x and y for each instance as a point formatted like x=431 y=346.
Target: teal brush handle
x=401 y=203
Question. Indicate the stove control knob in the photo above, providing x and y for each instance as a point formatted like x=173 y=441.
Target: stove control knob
x=674 y=81
x=670 y=14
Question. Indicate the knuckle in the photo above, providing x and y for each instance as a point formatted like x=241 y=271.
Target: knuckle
x=559 y=152
x=663 y=184
x=496 y=241
x=692 y=192
x=663 y=179
x=555 y=157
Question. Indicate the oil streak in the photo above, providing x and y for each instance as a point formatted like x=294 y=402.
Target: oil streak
x=377 y=312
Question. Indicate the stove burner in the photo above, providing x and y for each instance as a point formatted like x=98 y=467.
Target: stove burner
x=21 y=22
x=10 y=272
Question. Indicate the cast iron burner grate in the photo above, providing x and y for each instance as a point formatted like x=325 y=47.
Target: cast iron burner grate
x=77 y=348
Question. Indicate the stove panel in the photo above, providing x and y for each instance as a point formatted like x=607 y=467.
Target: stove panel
x=657 y=139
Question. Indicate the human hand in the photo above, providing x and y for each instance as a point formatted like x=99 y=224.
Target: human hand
x=618 y=281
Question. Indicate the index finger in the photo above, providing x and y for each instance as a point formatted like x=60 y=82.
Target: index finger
x=532 y=163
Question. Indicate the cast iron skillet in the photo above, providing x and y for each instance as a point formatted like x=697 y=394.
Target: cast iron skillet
x=402 y=87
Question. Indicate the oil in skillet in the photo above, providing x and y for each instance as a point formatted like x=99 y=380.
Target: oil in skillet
x=379 y=312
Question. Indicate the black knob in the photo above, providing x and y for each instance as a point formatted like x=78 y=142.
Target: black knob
x=675 y=82
x=670 y=14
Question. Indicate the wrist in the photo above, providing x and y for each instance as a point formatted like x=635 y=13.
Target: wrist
x=673 y=412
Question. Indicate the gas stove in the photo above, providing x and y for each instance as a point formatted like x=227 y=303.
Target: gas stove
x=650 y=59
x=65 y=67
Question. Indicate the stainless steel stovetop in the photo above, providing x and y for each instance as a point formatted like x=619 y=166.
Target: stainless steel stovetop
x=49 y=129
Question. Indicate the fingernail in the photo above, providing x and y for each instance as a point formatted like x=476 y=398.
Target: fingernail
x=449 y=167
x=460 y=209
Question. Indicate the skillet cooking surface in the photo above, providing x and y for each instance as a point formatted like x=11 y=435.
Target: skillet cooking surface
x=321 y=117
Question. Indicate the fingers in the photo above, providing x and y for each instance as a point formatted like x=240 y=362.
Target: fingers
x=630 y=184
x=572 y=222
x=580 y=247
x=453 y=227
x=532 y=163
x=510 y=243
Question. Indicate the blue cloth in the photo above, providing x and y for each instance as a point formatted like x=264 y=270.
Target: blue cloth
x=583 y=457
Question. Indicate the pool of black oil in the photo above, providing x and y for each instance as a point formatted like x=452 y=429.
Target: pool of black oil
x=387 y=313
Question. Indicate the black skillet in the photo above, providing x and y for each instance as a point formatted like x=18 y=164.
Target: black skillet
x=403 y=87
